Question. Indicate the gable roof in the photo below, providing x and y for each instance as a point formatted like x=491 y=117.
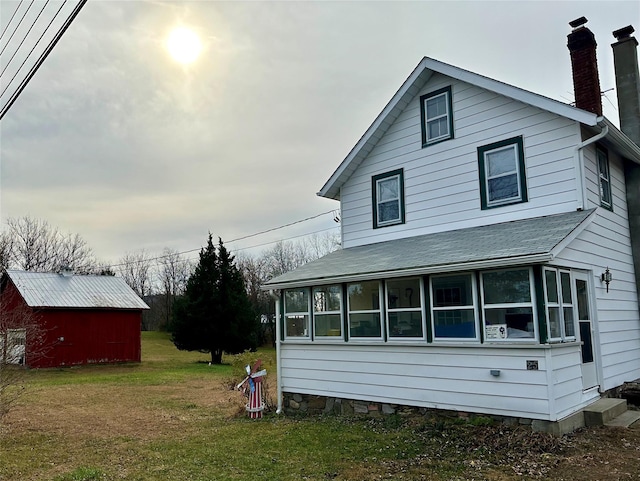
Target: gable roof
x=522 y=242
x=420 y=76
x=40 y=289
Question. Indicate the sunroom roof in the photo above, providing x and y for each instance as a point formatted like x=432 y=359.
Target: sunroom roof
x=521 y=242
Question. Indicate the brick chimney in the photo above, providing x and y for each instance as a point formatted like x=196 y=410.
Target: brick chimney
x=625 y=60
x=586 y=83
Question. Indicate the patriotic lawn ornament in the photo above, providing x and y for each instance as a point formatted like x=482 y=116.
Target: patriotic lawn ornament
x=253 y=383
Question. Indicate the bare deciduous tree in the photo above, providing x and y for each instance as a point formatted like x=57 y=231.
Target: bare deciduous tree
x=135 y=269
x=173 y=274
x=33 y=245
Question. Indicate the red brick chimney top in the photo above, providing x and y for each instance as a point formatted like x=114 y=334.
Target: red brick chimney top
x=584 y=65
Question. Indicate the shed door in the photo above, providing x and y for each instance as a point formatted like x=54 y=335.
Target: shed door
x=586 y=329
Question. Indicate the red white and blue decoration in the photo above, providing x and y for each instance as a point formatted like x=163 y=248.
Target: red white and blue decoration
x=252 y=388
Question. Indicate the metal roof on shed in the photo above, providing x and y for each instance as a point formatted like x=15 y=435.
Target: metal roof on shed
x=520 y=242
x=48 y=289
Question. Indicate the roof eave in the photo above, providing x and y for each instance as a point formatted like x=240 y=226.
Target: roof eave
x=437 y=269
x=627 y=147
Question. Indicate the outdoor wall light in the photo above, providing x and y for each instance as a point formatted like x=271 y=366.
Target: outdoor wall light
x=606 y=277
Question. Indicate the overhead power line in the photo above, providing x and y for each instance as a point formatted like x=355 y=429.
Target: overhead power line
x=244 y=237
x=42 y=57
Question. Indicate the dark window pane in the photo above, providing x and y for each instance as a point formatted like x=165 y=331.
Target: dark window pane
x=458 y=323
x=452 y=291
x=328 y=325
x=504 y=287
x=405 y=324
x=365 y=325
x=552 y=286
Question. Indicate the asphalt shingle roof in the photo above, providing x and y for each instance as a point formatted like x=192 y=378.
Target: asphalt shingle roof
x=506 y=243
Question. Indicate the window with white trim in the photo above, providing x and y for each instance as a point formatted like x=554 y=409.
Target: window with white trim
x=604 y=178
x=559 y=305
x=327 y=311
x=364 y=309
x=507 y=304
x=404 y=308
x=388 y=198
x=502 y=173
x=453 y=306
x=436 y=116
x=296 y=313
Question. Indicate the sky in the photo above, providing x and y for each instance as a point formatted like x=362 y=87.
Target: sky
x=116 y=141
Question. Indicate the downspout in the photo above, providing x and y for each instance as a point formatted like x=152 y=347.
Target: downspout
x=582 y=194
x=276 y=297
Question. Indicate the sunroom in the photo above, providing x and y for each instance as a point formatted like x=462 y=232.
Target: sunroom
x=452 y=320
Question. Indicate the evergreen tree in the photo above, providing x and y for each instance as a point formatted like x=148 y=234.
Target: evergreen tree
x=215 y=314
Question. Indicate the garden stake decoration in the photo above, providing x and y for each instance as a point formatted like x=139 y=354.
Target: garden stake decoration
x=253 y=383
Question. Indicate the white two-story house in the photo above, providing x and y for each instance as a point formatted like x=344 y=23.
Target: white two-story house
x=487 y=262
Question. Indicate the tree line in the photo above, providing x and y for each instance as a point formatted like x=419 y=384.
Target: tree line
x=34 y=245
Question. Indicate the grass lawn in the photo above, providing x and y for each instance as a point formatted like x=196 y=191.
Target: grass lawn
x=174 y=417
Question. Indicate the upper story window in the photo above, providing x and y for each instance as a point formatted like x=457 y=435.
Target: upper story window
x=604 y=178
x=436 y=115
x=502 y=173
x=388 y=198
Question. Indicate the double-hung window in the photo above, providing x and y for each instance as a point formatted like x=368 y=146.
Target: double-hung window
x=507 y=305
x=296 y=313
x=604 y=178
x=453 y=306
x=404 y=308
x=436 y=116
x=388 y=198
x=327 y=311
x=559 y=305
x=364 y=310
x=502 y=173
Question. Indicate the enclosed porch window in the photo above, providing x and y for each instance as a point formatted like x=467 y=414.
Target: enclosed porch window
x=327 y=311
x=405 y=319
x=364 y=310
x=507 y=303
x=296 y=313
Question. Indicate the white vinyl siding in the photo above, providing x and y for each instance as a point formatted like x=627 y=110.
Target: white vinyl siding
x=606 y=243
x=441 y=181
x=443 y=377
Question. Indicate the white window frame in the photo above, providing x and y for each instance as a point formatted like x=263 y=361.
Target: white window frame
x=474 y=307
x=446 y=116
x=389 y=310
x=307 y=313
x=377 y=180
x=561 y=305
x=339 y=312
x=378 y=311
x=531 y=304
x=602 y=159
x=516 y=170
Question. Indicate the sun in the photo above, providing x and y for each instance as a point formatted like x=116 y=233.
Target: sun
x=184 y=45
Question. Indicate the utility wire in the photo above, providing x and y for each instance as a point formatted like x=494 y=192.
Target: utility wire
x=17 y=26
x=240 y=238
x=24 y=38
x=42 y=58
x=32 y=49
x=11 y=19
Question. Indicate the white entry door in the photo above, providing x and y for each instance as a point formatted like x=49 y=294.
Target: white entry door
x=586 y=330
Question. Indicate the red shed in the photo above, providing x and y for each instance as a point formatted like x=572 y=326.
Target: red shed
x=84 y=319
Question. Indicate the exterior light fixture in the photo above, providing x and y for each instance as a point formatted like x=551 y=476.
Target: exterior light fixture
x=606 y=277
